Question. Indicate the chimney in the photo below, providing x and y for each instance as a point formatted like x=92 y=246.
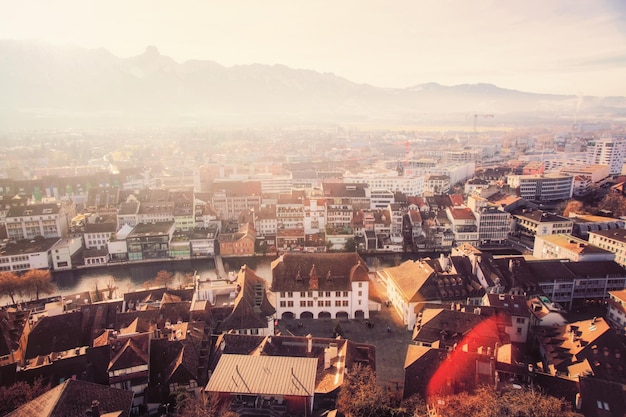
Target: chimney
x=94 y=411
x=309 y=343
x=330 y=353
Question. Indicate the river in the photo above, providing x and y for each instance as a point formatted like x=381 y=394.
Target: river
x=132 y=276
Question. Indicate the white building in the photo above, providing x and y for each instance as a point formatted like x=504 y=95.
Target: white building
x=25 y=255
x=617 y=310
x=321 y=285
x=564 y=246
x=611 y=240
x=62 y=253
x=543 y=187
x=607 y=151
x=47 y=220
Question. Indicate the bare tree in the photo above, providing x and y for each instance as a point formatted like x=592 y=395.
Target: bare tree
x=10 y=285
x=38 y=281
x=163 y=277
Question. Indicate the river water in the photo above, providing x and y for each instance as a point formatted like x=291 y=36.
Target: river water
x=128 y=277
x=132 y=276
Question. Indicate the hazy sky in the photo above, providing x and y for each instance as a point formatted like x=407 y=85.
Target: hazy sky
x=552 y=46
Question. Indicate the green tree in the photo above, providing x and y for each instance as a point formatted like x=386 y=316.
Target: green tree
x=38 y=281
x=351 y=245
x=10 y=285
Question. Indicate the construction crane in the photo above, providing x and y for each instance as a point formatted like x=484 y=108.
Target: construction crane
x=476 y=116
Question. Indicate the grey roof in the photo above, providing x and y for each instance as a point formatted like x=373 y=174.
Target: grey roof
x=35 y=210
x=74 y=397
x=265 y=375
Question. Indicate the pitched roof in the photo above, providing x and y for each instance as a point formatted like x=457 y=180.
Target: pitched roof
x=252 y=307
x=73 y=397
x=331 y=271
x=265 y=375
x=55 y=334
x=410 y=277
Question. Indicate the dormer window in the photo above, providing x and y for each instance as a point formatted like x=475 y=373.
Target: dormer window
x=28 y=212
x=47 y=211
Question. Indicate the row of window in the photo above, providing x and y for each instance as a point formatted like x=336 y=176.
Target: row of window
x=320 y=303
x=320 y=294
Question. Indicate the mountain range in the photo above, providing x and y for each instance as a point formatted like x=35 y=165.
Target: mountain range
x=43 y=84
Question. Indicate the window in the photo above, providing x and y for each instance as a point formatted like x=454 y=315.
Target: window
x=344 y=303
x=519 y=330
x=337 y=303
x=302 y=303
x=302 y=294
x=520 y=320
x=309 y=294
x=360 y=293
x=320 y=304
x=327 y=303
x=337 y=293
x=309 y=303
x=289 y=294
x=289 y=303
x=360 y=284
x=345 y=293
x=283 y=304
x=327 y=293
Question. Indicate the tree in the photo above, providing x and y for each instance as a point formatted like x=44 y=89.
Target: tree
x=38 y=281
x=188 y=405
x=487 y=402
x=351 y=245
x=163 y=277
x=573 y=206
x=614 y=203
x=10 y=285
x=20 y=393
x=360 y=396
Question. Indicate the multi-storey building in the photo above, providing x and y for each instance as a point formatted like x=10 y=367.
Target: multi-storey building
x=230 y=198
x=25 y=255
x=607 y=151
x=563 y=246
x=388 y=181
x=381 y=199
x=97 y=235
x=612 y=240
x=396 y=216
x=265 y=223
x=494 y=225
x=320 y=285
x=358 y=195
x=437 y=184
x=314 y=216
x=156 y=212
x=538 y=223
x=290 y=214
x=240 y=242
x=128 y=213
x=567 y=282
x=544 y=187
x=150 y=241
x=47 y=220
x=616 y=314
x=596 y=173
x=339 y=216
x=464 y=225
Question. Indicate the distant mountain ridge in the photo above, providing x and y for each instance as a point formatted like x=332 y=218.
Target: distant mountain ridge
x=41 y=82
